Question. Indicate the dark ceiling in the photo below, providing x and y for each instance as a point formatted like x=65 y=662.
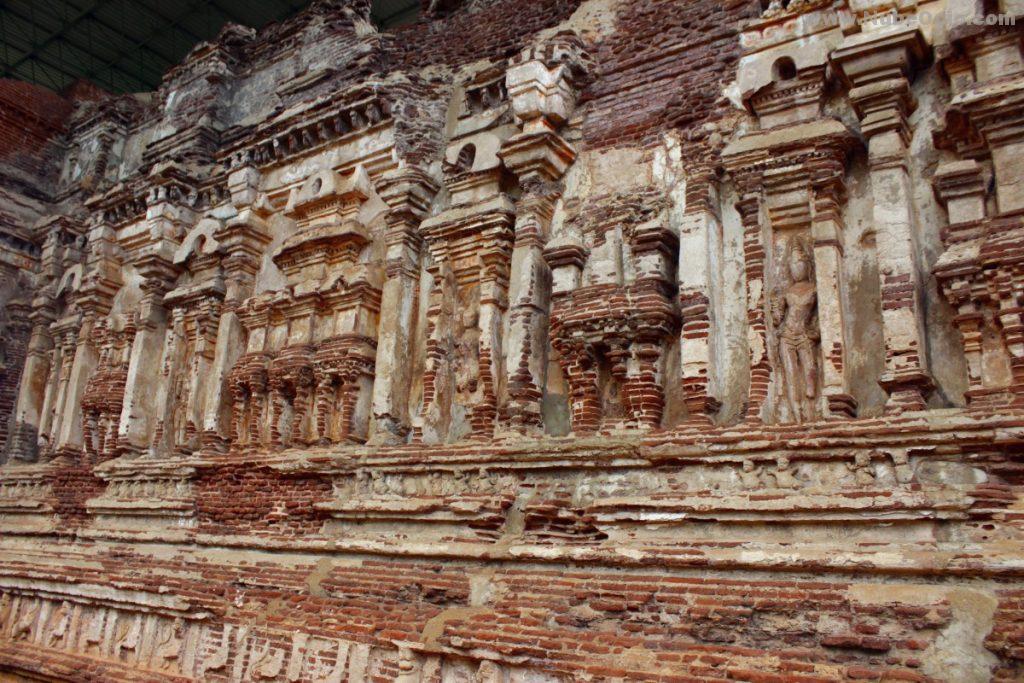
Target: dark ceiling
x=127 y=45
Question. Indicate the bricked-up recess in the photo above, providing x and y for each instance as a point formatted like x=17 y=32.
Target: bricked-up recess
x=539 y=341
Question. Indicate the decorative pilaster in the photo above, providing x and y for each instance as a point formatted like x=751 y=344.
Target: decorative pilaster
x=962 y=187
x=494 y=279
x=700 y=229
x=408 y=193
x=470 y=248
x=566 y=257
x=979 y=272
x=169 y=396
x=749 y=207
x=826 y=233
x=23 y=443
x=79 y=353
x=138 y=412
x=529 y=304
x=790 y=176
x=78 y=361
x=543 y=84
x=878 y=67
x=242 y=239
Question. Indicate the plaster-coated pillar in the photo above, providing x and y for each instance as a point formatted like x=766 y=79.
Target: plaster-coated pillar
x=878 y=68
x=408 y=193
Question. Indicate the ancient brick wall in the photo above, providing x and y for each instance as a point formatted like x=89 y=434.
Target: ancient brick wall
x=30 y=118
x=484 y=30
x=664 y=68
x=540 y=342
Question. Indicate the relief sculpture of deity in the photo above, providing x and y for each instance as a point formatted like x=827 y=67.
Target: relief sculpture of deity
x=794 y=314
x=467 y=345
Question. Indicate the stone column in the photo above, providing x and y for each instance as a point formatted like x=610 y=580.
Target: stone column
x=243 y=240
x=493 y=304
x=530 y=301
x=28 y=411
x=76 y=370
x=699 y=237
x=543 y=84
x=434 y=409
x=986 y=96
x=540 y=158
x=566 y=256
x=984 y=67
x=962 y=187
x=60 y=371
x=654 y=247
x=408 y=193
x=48 y=410
x=877 y=68
x=827 y=231
x=138 y=411
x=749 y=207
x=80 y=357
x=170 y=367
x=200 y=370
x=169 y=216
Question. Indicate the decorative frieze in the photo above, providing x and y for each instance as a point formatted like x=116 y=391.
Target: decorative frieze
x=329 y=121
x=159 y=640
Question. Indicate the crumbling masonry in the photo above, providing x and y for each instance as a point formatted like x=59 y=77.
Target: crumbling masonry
x=540 y=340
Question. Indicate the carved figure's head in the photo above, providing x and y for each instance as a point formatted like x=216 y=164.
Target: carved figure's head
x=799 y=265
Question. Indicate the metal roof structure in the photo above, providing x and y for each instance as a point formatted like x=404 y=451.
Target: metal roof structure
x=127 y=45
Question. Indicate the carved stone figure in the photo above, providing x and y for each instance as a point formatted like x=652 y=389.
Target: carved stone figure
x=862 y=469
x=128 y=628
x=57 y=626
x=380 y=484
x=466 y=363
x=794 y=313
x=27 y=621
x=785 y=475
x=167 y=650
x=751 y=475
x=92 y=632
x=408 y=666
x=6 y=608
x=267 y=662
x=179 y=402
x=218 y=657
x=901 y=465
